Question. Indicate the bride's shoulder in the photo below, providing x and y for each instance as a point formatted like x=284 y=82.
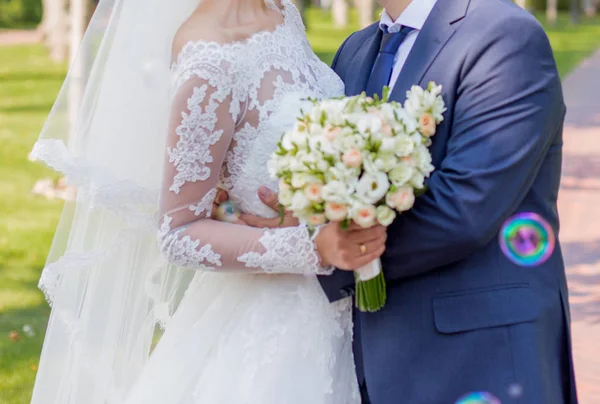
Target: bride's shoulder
x=199 y=28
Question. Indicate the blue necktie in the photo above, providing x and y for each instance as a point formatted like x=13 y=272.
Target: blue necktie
x=384 y=64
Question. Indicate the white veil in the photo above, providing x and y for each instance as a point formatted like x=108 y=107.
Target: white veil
x=105 y=278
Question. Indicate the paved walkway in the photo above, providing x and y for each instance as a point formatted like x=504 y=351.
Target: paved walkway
x=18 y=37
x=579 y=206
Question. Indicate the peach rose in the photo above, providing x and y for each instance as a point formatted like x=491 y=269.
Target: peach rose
x=427 y=125
x=331 y=133
x=317 y=219
x=386 y=129
x=402 y=199
x=365 y=216
x=352 y=158
x=313 y=192
x=336 y=212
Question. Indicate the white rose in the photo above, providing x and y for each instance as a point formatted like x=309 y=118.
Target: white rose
x=402 y=199
x=372 y=187
x=336 y=212
x=437 y=109
x=315 y=114
x=417 y=180
x=299 y=180
x=335 y=191
x=368 y=124
x=401 y=174
x=350 y=141
x=299 y=202
x=369 y=163
x=385 y=215
x=388 y=144
x=342 y=173
x=404 y=146
x=294 y=164
x=316 y=130
x=299 y=139
x=364 y=215
x=386 y=162
x=285 y=197
x=286 y=141
x=408 y=120
x=334 y=109
x=423 y=159
x=323 y=165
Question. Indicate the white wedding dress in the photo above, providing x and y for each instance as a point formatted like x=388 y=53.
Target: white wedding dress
x=254 y=325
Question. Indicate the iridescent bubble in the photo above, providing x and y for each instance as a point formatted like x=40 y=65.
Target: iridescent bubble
x=527 y=239
x=228 y=212
x=478 y=397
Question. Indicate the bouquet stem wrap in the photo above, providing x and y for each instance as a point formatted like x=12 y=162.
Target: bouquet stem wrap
x=370 y=287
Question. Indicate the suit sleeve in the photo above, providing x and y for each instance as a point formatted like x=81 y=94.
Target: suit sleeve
x=509 y=109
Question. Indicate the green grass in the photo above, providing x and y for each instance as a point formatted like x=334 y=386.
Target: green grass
x=28 y=85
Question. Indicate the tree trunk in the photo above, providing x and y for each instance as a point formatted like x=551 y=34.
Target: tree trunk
x=590 y=7
x=366 y=10
x=574 y=11
x=54 y=29
x=551 y=11
x=339 y=11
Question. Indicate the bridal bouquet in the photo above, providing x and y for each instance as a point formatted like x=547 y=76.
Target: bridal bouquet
x=358 y=159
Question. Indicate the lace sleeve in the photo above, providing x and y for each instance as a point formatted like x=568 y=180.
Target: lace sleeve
x=204 y=113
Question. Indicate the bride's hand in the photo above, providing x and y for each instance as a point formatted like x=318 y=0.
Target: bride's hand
x=222 y=197
x=270 y=199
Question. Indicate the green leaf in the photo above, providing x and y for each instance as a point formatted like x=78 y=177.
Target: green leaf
x=281 y=213
x=421 y=191
x=386 y=94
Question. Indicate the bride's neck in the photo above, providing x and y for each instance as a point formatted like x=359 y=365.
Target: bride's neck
x=237 y=13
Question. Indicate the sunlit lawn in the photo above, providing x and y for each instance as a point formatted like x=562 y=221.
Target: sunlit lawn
x=28 y=85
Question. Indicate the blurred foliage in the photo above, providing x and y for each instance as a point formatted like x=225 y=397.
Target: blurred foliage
x=20 y=13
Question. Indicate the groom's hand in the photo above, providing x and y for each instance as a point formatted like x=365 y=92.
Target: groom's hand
x=270 y=199
x=352 y=248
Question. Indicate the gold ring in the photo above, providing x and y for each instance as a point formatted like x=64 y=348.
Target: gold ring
x=363 y=249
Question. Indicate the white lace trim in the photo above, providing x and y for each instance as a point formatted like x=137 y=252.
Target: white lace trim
x=204 y=207
x=184 y=251
x=288 y=250
x=131 y=202
x=196 y=135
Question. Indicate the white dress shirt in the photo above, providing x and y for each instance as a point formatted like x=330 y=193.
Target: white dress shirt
x=414 y=16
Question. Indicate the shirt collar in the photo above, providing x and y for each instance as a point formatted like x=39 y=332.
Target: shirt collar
x=414 y=16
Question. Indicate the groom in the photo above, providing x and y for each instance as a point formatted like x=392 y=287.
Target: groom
x=461 y=317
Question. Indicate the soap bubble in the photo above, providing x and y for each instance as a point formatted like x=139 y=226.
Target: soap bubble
x=527 y=239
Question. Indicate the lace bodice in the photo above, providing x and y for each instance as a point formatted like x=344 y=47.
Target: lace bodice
x=221 y=135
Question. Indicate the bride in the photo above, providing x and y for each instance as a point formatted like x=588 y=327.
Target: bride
x=244 y=318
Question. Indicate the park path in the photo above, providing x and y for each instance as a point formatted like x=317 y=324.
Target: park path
x=18 y=37
x=579 y=207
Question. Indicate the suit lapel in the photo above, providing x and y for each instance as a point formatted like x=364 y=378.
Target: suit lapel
x=436 y=32
x=363 y=60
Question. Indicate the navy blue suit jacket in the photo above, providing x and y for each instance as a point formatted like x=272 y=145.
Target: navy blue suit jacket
x=461 y=317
